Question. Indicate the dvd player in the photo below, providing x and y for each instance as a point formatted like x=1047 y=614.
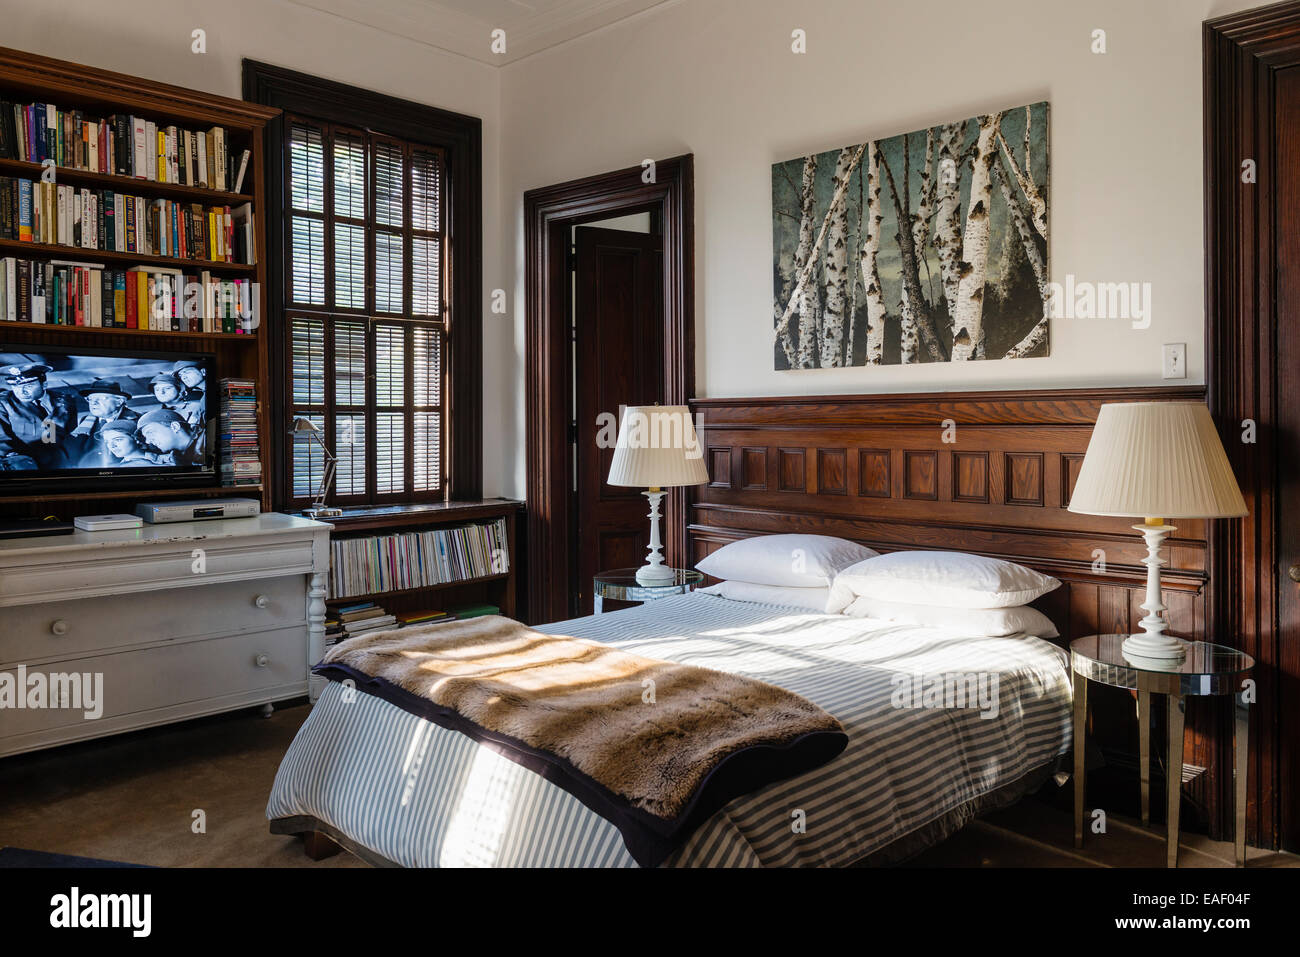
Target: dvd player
x=157 y=513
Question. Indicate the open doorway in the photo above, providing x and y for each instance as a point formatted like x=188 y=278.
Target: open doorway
x=610 y=306
x=617 y=360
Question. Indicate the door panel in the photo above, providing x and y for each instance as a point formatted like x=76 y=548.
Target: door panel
x=618 y=361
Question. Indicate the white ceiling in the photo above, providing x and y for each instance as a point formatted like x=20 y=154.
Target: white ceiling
x=465 y=26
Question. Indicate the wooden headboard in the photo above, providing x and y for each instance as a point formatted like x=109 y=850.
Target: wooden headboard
x=983 y=472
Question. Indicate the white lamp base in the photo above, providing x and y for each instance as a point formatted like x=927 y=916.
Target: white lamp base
x=1152 y=643
x=655 y=575
x=1161 y=647
x=654 y=571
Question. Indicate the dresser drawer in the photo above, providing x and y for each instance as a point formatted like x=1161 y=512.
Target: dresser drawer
x=167 y=675
x=65 y=629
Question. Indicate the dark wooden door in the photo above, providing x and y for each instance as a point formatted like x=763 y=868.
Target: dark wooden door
x=618 y=361
x=1287 y=570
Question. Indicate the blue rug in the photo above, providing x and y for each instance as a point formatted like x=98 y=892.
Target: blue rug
x=20 y=857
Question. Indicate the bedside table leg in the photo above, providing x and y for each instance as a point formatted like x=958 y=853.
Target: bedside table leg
x=1144 y=753
x=1080 y=735
x=1240 y=767
x=1174 y=776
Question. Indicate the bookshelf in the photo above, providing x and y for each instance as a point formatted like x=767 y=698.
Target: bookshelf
x=13 y=247
x=98 y=94
x=81 y=177
x=498 y=589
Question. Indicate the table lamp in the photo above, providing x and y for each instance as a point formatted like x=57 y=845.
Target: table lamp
x=1156 y=460
x=657 y=448
x=303 y=425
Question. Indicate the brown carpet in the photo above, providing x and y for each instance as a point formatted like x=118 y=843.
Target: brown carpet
x=131 y=798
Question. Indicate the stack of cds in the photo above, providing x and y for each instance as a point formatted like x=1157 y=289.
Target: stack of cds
x=241 y=462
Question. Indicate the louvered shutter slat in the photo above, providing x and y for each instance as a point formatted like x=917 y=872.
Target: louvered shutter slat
x=388 y=272
x=425 y=277
x=364 y=221
x=349 y=176
x=426 y=191
x=307 y=167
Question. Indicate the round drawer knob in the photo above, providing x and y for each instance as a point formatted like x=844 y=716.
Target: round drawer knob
x=261 y=601
x=58 y=627
x=1294 y=572
x=261 y=661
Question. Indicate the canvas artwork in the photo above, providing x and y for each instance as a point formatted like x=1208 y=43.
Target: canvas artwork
x=925 y=247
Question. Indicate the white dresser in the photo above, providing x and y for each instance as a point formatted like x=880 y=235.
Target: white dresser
x=172 y=621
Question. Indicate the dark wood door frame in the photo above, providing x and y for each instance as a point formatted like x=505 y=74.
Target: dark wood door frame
x=1242 y=54
x=549 y=213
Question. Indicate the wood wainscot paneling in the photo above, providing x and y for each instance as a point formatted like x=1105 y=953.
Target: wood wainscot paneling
x=884 y=470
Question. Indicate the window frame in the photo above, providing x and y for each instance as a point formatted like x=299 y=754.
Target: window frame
x=370 y=317
x=459 y=139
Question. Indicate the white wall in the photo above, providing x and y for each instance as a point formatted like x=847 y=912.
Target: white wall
x=151 y=38
x=717 y=78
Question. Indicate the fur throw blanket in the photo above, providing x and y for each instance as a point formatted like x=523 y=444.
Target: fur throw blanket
x=639 y=740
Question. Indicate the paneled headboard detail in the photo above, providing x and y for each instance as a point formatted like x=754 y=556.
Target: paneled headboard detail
x=984 y=472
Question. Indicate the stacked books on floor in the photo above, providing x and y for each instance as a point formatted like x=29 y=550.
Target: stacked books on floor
x=348 y=621
x=158 y=300
x=382 y=563
x=121 y=145
x=54 y=214
x=241 y=460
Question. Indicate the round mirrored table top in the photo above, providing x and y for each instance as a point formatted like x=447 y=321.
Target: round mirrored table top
x=1205 y=668
x=621 y=584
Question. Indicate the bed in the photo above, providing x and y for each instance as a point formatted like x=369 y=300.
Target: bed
x=396 y=789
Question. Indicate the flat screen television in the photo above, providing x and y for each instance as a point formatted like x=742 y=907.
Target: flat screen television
x=74 y=419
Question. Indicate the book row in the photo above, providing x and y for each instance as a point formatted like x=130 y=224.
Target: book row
x=76 y=294
x=361 y=566
x=40 y=212
x=122 y=145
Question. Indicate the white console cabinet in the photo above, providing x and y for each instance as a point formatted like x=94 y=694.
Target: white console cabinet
x=173 y=621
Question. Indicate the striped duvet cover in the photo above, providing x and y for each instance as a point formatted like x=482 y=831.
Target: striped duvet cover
x=937 y=722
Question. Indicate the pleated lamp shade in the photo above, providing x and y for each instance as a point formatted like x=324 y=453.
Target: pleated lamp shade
x=657 y=448
x=1156 y=460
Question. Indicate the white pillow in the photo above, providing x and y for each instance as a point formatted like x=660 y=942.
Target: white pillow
x=950 y=579
x=799 y=561
x=811 y=598
x=995 y=622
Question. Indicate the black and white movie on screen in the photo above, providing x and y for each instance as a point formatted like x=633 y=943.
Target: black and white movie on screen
x=61 y=412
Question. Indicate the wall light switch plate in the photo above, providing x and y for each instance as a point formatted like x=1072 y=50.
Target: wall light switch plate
x=1174 y=365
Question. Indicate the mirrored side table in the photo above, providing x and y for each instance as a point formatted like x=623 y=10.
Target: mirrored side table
x=621 y=585
x=1206 y=669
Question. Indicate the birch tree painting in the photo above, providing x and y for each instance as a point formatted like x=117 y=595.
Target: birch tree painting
x=926 y=247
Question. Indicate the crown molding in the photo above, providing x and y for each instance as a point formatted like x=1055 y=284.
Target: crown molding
x=446 y=28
